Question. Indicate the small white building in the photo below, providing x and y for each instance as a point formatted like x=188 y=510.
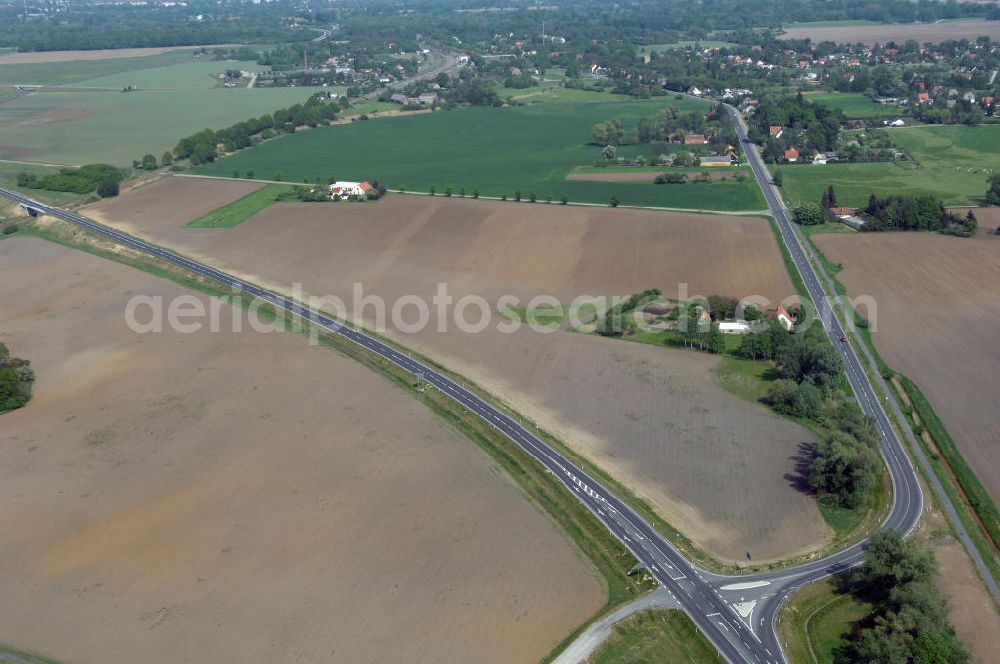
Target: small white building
x=734 y=327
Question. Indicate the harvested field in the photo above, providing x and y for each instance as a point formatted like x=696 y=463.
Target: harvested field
x=240 y=497
x=32 y=57
x=712 y=464
x=178 y=205
x=971 y=609
x=897 y=32
x=938 y=313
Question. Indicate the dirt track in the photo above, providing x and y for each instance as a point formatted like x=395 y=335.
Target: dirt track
x=938 y=316
x=922 y=32
x=714 y=465
x=247 y=498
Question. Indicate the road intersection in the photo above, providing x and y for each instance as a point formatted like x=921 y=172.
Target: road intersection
x=737 y=614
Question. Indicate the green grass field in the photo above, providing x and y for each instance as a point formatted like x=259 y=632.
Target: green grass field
x=656 y=636
x=952 y=162
x=55 y=73
x=8 y=178
x=816 y=621
x=115 y=127
x=854 y=105
x=200 y=74
x=496 y=150
x=241 y=209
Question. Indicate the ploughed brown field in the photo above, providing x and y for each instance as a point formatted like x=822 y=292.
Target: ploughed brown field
x=897 y=32
x=938 y=315
x=971 y=608
x=244 y=497
x=715 y=466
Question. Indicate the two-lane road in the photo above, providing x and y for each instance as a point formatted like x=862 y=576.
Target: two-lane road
x=692 y=588
x=737 y=614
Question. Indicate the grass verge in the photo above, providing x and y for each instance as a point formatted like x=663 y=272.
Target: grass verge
x=815 y=622
x=656 y=636
x=235 y=213
x=974 y=491
x=977 y=512
x=9 y=655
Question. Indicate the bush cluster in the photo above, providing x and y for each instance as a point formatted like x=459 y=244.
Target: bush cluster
x=101 y=178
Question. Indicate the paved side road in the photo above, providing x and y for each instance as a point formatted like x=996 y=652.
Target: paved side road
x=586 y=643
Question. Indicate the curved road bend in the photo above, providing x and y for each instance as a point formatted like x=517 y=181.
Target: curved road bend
x=717 y=619
x=737 y=614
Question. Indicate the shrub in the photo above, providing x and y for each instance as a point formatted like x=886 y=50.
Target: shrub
x=107 y=188
x=671 y=178
x=10 y=229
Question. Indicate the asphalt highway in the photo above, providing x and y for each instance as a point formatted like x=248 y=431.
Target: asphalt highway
x=703 y=602
x=737 y=614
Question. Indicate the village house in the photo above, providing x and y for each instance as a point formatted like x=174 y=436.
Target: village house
x=345 y=189
x=848 y=216
x=791 y=155
x=776 y=131
x=695 y=139
x=783 y=318
x=427 y=98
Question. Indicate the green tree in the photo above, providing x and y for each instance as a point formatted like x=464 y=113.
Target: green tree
x=829 y=198
x=715 y=341
x=564 y=199
x=614 y=202
x=844 y=471
x=475 y=193
x=780 y=392
x=107 y=188
x=777 y=178
x=754 y=346
x=892 y=561
x=809 y=214
x=167 y=158
x=609 y=152
x=993 y=190
x=148 y=162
